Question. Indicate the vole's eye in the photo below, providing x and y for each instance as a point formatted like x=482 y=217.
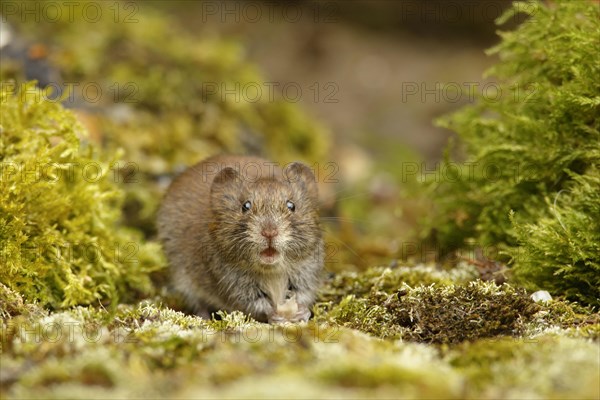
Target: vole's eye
x=246 y=206
x=290 y=206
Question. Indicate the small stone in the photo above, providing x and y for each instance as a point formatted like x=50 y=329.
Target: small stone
x=541 y=296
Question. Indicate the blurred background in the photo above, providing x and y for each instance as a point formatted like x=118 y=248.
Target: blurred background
x=352 y=88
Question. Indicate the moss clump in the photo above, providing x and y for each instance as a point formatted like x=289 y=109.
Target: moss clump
x=389 y=280
x=12 y=304
x=569 y=318
x=426 y=304
x=548 y=94
x=59 y=212
x=560 y=252
x=438 y=314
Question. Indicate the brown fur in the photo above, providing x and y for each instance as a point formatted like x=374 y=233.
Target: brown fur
x=214 y=247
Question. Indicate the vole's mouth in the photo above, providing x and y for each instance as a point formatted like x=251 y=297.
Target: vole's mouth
x=269 y=255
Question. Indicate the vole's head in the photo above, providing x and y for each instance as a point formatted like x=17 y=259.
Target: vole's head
x=268 y=220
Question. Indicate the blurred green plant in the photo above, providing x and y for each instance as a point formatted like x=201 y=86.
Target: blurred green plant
x=60 y=239
x=530 y=181
x=169 y=97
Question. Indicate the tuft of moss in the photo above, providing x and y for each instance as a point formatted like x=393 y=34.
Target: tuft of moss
x=561 y=252
x=538 y=203
x=571 y=319
x=12 y=304
x=61 y=243
x=431 y=314
x=389 y=280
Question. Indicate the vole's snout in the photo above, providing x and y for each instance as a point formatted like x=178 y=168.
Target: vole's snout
x=269 y=231
x=270 y=252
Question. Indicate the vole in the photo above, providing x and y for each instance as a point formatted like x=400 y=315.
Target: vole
x=241 y=233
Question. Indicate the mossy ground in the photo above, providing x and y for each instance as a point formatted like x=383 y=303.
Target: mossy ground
x=410 y=345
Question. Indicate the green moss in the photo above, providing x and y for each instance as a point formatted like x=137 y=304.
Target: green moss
x=567 y=318
x=389 y=280
x=59 y=212
x=559 y=253
x=549 y=94
x=442 y=307
x=11 y=303
x=148 y=350
x=414 y=371
x=439 y=314
x=527 y=368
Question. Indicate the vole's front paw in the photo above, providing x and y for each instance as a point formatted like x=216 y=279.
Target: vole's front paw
x=302 y=315
x=289 y=311
x=277 y=319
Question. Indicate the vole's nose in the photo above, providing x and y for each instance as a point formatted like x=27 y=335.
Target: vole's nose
x=269 y=231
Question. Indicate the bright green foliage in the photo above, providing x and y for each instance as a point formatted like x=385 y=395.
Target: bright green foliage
x=561 y=252
x=533 y=150
x=61 y=244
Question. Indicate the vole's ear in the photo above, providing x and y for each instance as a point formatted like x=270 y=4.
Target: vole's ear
x=301 y=177
x=225 y=177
